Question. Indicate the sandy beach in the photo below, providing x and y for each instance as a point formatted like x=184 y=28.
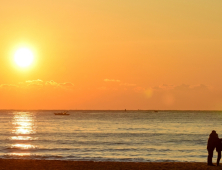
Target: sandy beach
x=20 y=164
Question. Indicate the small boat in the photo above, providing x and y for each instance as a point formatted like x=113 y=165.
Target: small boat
x=62 y=113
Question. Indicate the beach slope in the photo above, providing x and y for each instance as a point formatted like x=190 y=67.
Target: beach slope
x=22 y=164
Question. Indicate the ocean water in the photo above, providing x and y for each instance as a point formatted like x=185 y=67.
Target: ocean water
x=137 y=136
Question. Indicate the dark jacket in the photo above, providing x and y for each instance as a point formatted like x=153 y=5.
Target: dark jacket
x=219 y=145
x=212 y=142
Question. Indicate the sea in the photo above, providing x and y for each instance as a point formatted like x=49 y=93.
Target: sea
x=108 y=135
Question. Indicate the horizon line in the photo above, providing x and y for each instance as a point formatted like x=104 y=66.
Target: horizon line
x=108 y=110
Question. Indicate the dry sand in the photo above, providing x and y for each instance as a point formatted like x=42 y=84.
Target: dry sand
x=21 y=164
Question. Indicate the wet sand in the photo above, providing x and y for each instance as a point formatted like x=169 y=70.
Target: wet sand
x=21 y=164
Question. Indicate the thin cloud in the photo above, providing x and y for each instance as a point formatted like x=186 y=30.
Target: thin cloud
x=37 y=83
x=111 y=80
x=34 y=83
x=185 y=87
x=182 y=87
x=164 y=87
x=67 y=84
x=8 y=85
x=52 y=83
x=202 y=87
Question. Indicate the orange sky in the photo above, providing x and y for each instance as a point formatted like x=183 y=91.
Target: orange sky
x=112 y=54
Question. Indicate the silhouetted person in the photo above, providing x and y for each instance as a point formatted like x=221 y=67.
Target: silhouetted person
x=211 y=144
x=218 y=149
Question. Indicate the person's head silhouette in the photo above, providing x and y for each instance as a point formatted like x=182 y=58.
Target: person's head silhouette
x=213 y=134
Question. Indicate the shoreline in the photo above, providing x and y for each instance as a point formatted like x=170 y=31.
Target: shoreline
x=24 y=164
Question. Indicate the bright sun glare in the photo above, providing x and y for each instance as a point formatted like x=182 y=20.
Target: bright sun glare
x=23 y=57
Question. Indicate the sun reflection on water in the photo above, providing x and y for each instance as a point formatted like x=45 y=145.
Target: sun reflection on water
x=21 y=138
x=20 y=154
x=23 y=130
x=23 y=146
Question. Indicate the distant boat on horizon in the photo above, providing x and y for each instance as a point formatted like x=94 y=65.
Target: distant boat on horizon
x=62 y=113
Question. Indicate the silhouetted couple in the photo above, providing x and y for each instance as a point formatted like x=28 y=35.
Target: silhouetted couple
x=214 y=142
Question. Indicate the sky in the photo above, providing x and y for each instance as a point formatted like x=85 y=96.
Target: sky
x=119 y=54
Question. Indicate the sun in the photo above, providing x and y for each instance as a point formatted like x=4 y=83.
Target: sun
x=23 y=57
